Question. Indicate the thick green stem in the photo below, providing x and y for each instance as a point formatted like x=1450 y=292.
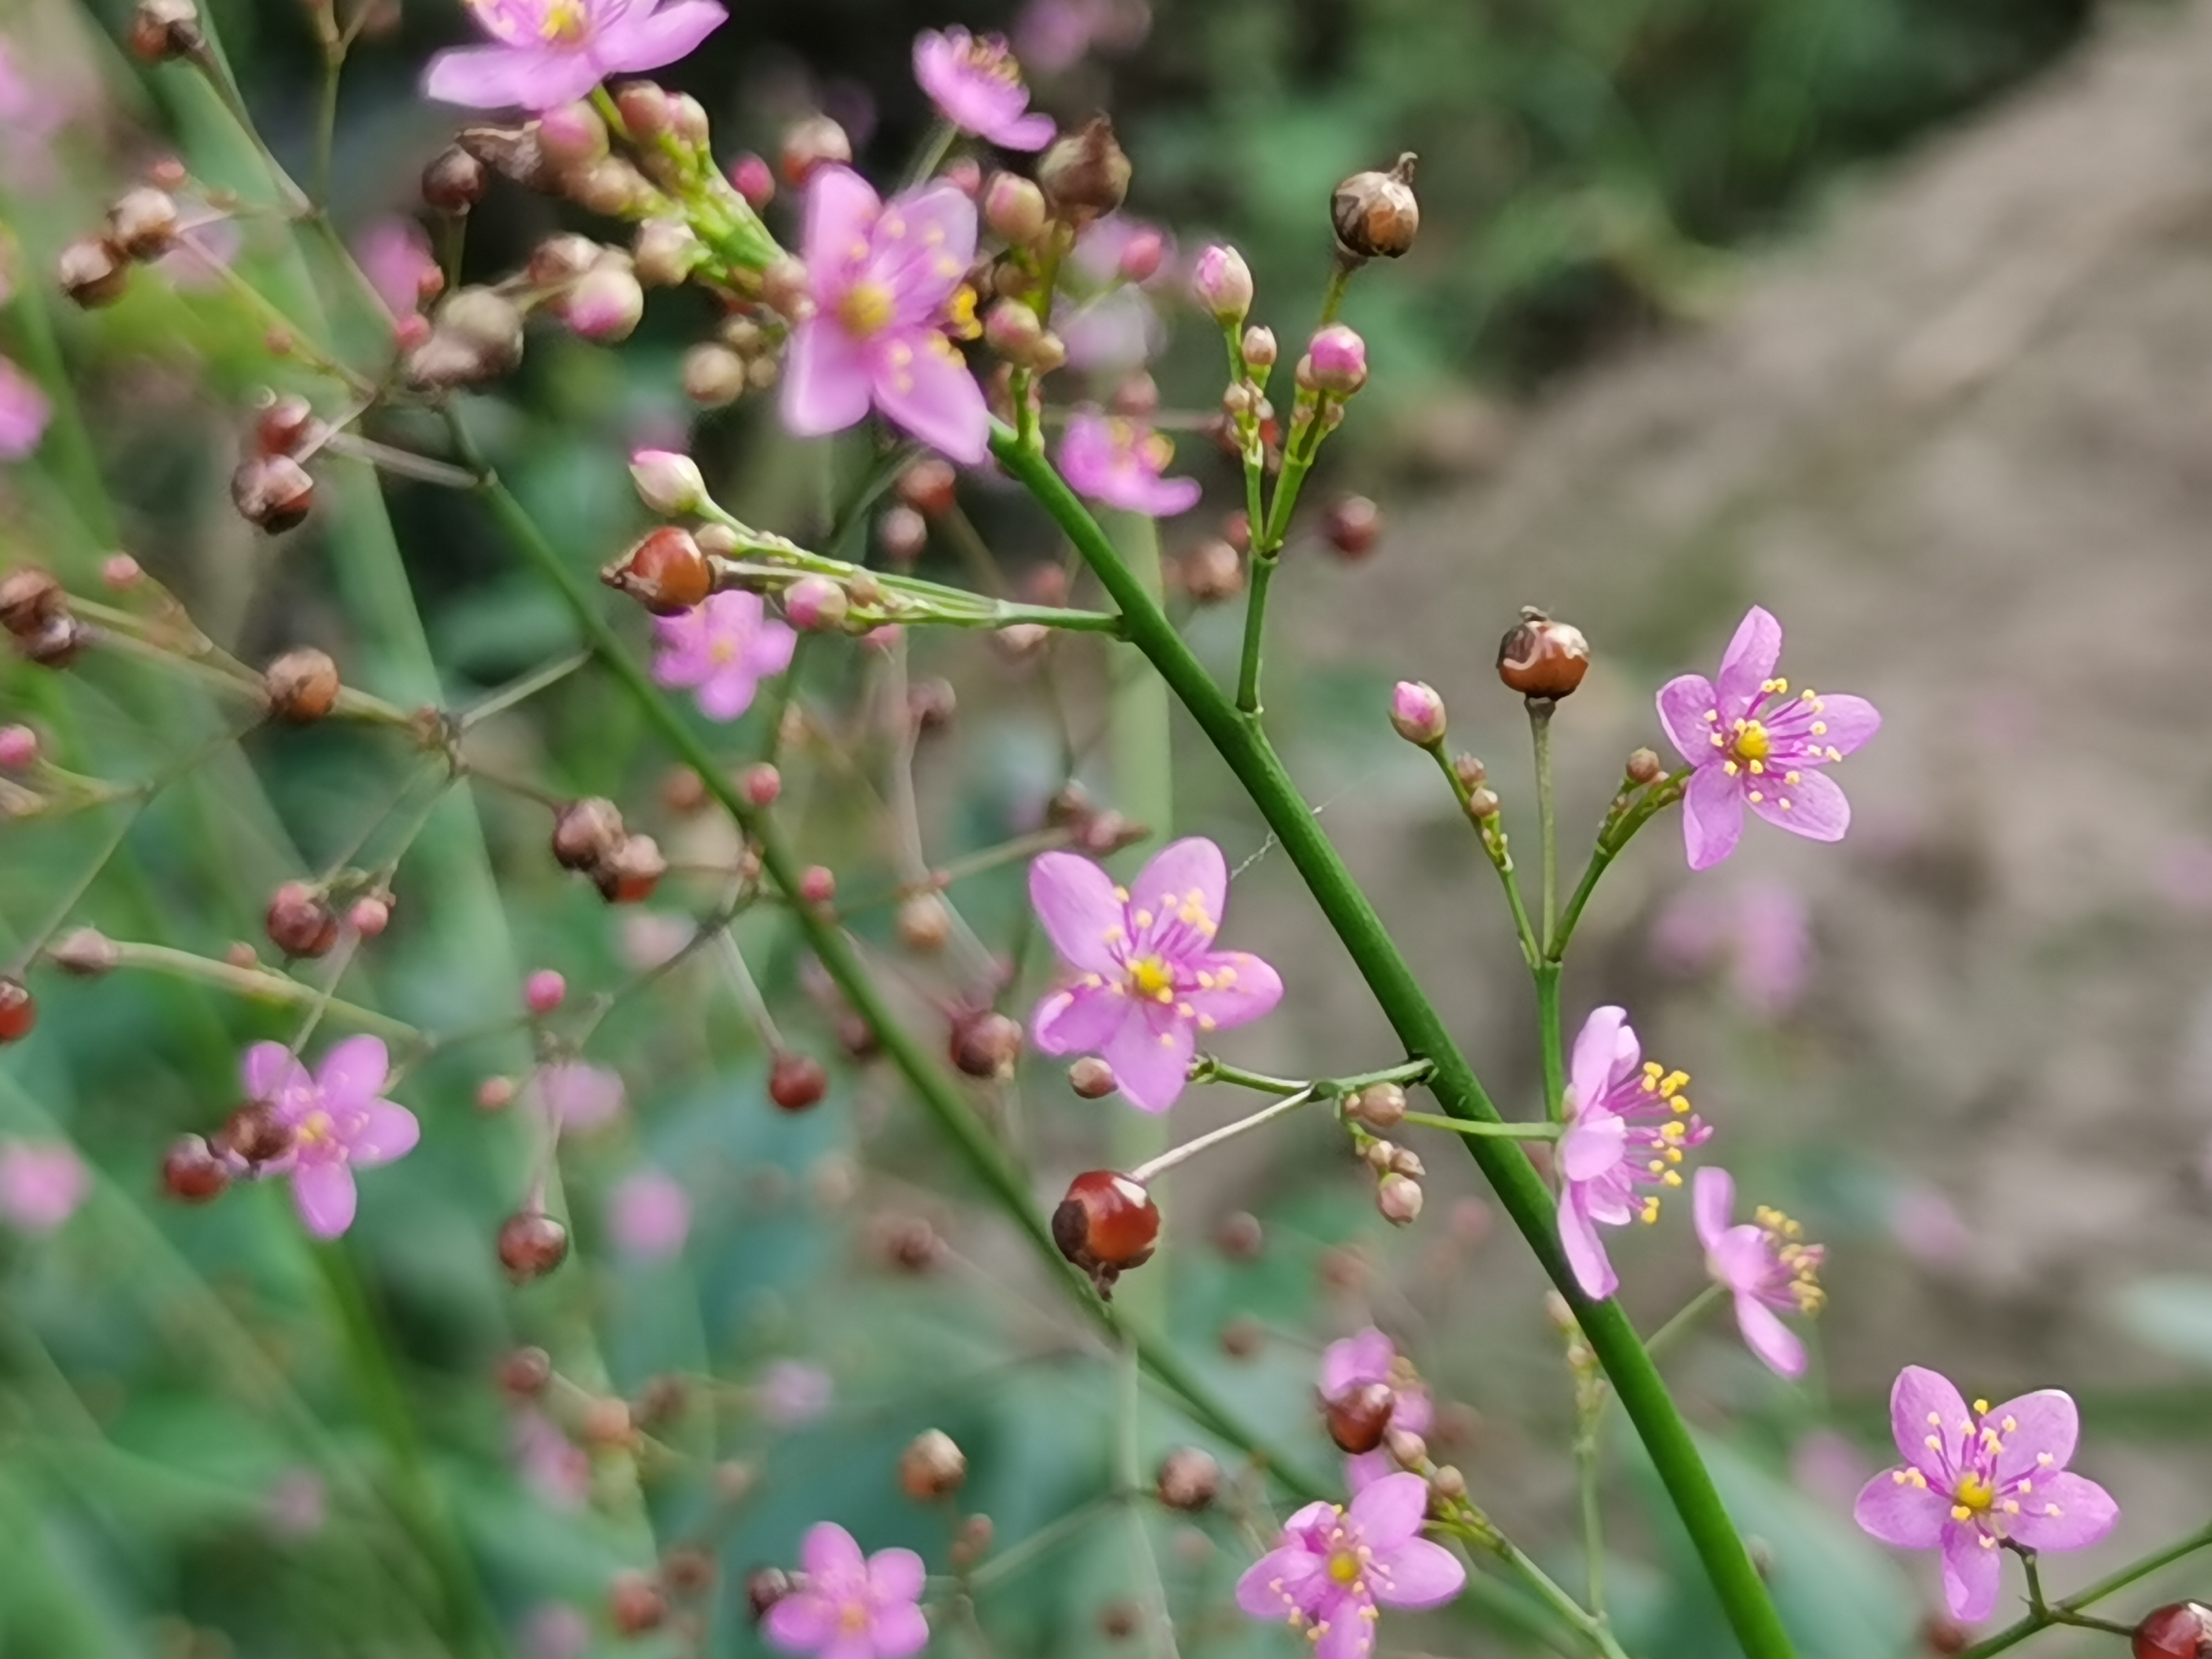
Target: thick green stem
x=1520 y=1190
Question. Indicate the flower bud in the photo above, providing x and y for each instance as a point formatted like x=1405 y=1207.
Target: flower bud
x=164 y=30
x=1405 y=1161
x=1399 y=1197
x=635 y=1604
x=1407 y=1450
x=932 y=1467
x=667 y=482
x=300 y=921
x=985 y=1044
x=815 y=605
x=687 y=119
x=713 y=376
x=665 y=571
x=1644 y=767
x=1106 y=1225
x=1418 y=714
x=902 y=533
x=787 y=290
x=300 y=686
x=815 y=142
x=1260 y=350
x=585 y=831
x=924 y=921
x=1142 y=255
x=1379 y=1106
x=1212 y=572
x=612 y=188
x=1375 y=214
x=1352 y=525
x=646 y=111
x=453 y=182
x=90 y=274
x=1449 y=1484
x=1092 y=1078
x=665 y=252
x=930 y=487
x=19 y=748
x=525 y=1372
x=531 y=1245
x=29 y=600
x=1336 y=362
x=818 y=884
x=2180 y=1630
x=142 y=224
x=752 y=178
x=1011 y=329
x=370 y=916
x=1540 y=657
x=1358 y=1418
x=1084 y=175
x=544 y=991
x=85 y=953
x=1188 y=1480
x=630 y=871
x=797 y=1082
x=1221 y=282
x=286 y=425
x=273 y=493
x=607 y=303
x=191 y=1173
x=1014 y=209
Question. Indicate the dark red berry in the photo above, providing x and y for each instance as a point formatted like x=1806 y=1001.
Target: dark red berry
x=985 y=1044
x=666 y=572
x=531 y=1245
x=796 y=1082
x=1358 y=1418
x=191 y=1173
x=285 y=427
x=1540 y=657
x=300 y=921
x=19 y=1010
x=585 y=831
x=255 y=1133
x=1106 y=1225
x=929 y=487
x=272 y=493
x=2180 y=1630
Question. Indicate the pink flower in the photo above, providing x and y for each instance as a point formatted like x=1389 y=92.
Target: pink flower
x=41 y=1187
x=549 y=52
x=1974 y=1479
x=648 y=1215
x=721 y=650
x=976 y=85
x=1357 y=1361
x=791 y=1393
x=1928 y=1227
x=1120 y=462
x=887 y=281
x=580 y=1096
x=556 y=1631
x=395 y=256
x=1151 y=979
x=1764 y=1267
x=1335 y=1568
x=296 y=1504
x=33 y=109
x=554 y=1467
x=337 y=1120
x=23 y=412
x=1751 y=741
x=1111 y=334
x=846 y=1606
x=1628 y=1122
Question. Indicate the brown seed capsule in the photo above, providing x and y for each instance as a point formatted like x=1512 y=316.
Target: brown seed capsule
x=1188 y=1480
x=86 y=953
x=19 y=1010
x=91 y=273
x=1540 y=657
x=1118 y=1620
x=930 y=487
x=585 y=831
x=1353 y=525
x=795 y=1082
x=300 y=686
x=932 y=1467
x=285 y=427
x=1358 y=1418
x=531 y=1245
x=764 y=1588
x=454 y=181
x=2180 y=1630
x=142 y=223
x=813 y=142
x=1092 y=1078
x=161 y=30
x=1375 y=214
x=666 y=572
x=29 y=600
x=1106 y=1225
x=255 y=1133
x=525 y=1372
x=272 y=493
x=191 y=1173
x=910 y=1244
x=1086 y=175
x=628 y=873
x=300 y=921
x=635 y=1604
x=1212 y=572
x=985 y=1044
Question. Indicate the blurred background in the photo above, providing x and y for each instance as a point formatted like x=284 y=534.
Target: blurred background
x=1894 y=318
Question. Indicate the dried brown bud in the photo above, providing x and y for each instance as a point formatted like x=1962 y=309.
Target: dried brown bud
x=91 y=274
x=161 y=30
x=814 y=142
x=29 y=600
x=985 y=1044
x=666 y=572
x=2180 y=1630
x=1379 y=1106
x=87 y=953
x=525 y=1372
x=630 y=871
x=1092 y=1078
x=796 y=1082
x=930 y=487
x=1353 y=525
x=191 y=1173
x=531 y=1245
x=1644 y=768
x=764 y=1588
x=1188 y=1480
x=1086 y=175
x=256 y=1133
x=300 y=923
x=585 y=831
x=1358 y=1418
x=910 y=1244
x=1540 y=657
x=1375 y=214
x=454 y=181
x=273 y=493
x=1212 y=571
x=300 y=686
x=513 y=153
x=142 y=223
x=932 y=1467
x=635 y=1604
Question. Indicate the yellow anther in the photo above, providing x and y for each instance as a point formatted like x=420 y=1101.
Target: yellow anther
x=2011 y=1423
x=1757 y=795
x=1981 y=1407
x=1673 y=1177
x=1143 y=918
x=866 y=308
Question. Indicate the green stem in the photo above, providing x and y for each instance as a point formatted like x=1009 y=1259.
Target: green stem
x=1532 y=951
x=1521 y=1192
x=1552 y=1041
x=2063 y=1611
x=1476 y=1128
x=1340 y=279
x=1688 y=1314
x=1210 y=1070
x=1539 y=733
x=1619 y=830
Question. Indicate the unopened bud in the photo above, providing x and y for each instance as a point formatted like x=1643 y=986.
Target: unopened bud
x=531 y=1245
x=1645 y=767
x=607 y=303
x=1542 y=658
x=932 y=1467
x=1399 y=1197
x=545 y=990
x=787 y=289
x=86 y=953
x=1014 y=209
x=1379 y=1106
x=163 y=30
x=454 y=181
x=1405 y=1161
x=815 y=142
x=19 y=748
x=300 y=923
x=818 y=884
x=1221 y=282
x=796 y=1082
x=1188 y=1480
x=1011 y=329
x=1142 y=255
x=761 y=784
x=1352 y=525
x=815 y=605
x=370 y=916
x=985 y=1044
x=750 y=176
x=902 y=533
x=668 y=484
x=2180 y=1630
x=142 y=224
x=1481 y=803
x=1335 y=361
x=713 y=376
x=635 y=1604
x=665 y=252
x=1212 y=572
x=1092 y=1078
x=91 y=273
x=300 y=686
x=665 y=571
x=1086 y=175
x=1449 y=1484
x=1377 y=215
x=1418 y=714
x=924 y=921
x=612 y=188
x=119 y=573
x=930 y=487
x=1407 y=1450
x=1260 y=350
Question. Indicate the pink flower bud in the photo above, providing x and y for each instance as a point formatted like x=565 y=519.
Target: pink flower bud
x=1417 y=713
x=965 y=175
x=1336 y=360
x=369 y=916
x=1141 y=255
x=818 y=885
x=816 y=604
x=761 y=784
x=753 y=179
x=607 y=302
x=1222 y=282
x=667 y=482
x=19 y=747
x=572 y=135
x=1399 y=1197
x=119 y=573
x=544 y=991
x=1260 y=350
x=1014 y=208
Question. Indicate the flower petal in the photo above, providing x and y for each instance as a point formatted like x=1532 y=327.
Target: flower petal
x=486 y=77
x=1265 y=1590
x=1817 y=808
x=1712 y=1202
x=1357 y=1360
x=842 y=209
x=1922 y=1402
x=1740 y=1258
x=825 y=379
x=1777 y=1345
x=324 y=1195
x=272 y=1076
x=1193 y=866
x=1684 y=702
x=1250 y=995
x=1903 y=1513
x=828 y=1551
x=352 y=1074
x=1593 y=1145
x=1973 y=1571
x=1391 y=1512
x=898 y=1630
x=1363 y=1471
x=1749 y=661
x=728 y=692
x=2086 y=1513
x=1032 y=132
x=800 y=1622
x=940 y=220
x=1850 y=721
x=1585 y=1252
x=1417 y=1574
x=1597 y=1046
x=2046 y=1421
x=1082 y=914
x=1081 y=1020
x=1712 y=816
x=1151 y=1065
x=933 y=398
x=386 y=1131
x=1350 y=1633
x=896 y=1574
x=655 y=37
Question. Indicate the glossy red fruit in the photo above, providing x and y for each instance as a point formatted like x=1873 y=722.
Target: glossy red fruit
x=300 y=921
x=1106 y=1225
x=19 y=1010
x=2180 y=1630
x=531 y=1245
x=1541 y=658
x=666 y=572
x=796 y=1082
x=191 y=1173
x=1358 y=1418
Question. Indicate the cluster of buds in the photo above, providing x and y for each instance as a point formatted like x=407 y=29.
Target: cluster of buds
x=744 y=356
x=475 y=337
x=1106 y=1225
x=142 y=225
x=1398 y=1169
x=589 y=836
x=36 y=611
x=271 y=489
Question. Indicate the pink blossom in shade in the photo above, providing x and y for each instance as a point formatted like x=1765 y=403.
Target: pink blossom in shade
x=1928 y=1227
x=1628 y=1126
x=1766 y=1268
x=976 y=85
x=1120 y=462
x=1337 y=1568
x=33 y=109
x=40 y=1186
x=1053 y=34
x=1118 y=331
x=1829 y=1466
x=1357 y=1361
x=887 y=281
x=720 y=651
x=1149 y=981
x=201 y=254
x=1975 y=1478
x=792 y=1393
x=556 y=1631
x=846 y=1605
x=1754 y=742
x=296 y=1506
x=553 y=1466
x=339 y=1122
x=580 y=1096
x=1773 y=961
x=394 y=254
x=24 y=412
x=649 y=1215
x=546 y=52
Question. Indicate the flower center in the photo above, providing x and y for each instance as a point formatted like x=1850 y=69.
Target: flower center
x=988 y=55
x=1798 y=1261
x=1751 y=741
x=1343 y=1567
x=314 y=1129
x=1152 y=978
x=866 y=308
x=1975 y=1493
x=565 y=22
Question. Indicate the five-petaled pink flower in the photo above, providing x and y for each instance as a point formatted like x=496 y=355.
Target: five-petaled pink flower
x=1357 y=1361
x=887 y=281
x=976 y=85
x=721 y=650
x=40 y=1186
x=1765 y=1265
x=1337 y=1568
x=1754 y=742
x=1151 y=979
x=1972 y=1480
x=1120 y=462
x=845 y=1606
x=1628 y=1122
x=338 y=1120
x=547 y=52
